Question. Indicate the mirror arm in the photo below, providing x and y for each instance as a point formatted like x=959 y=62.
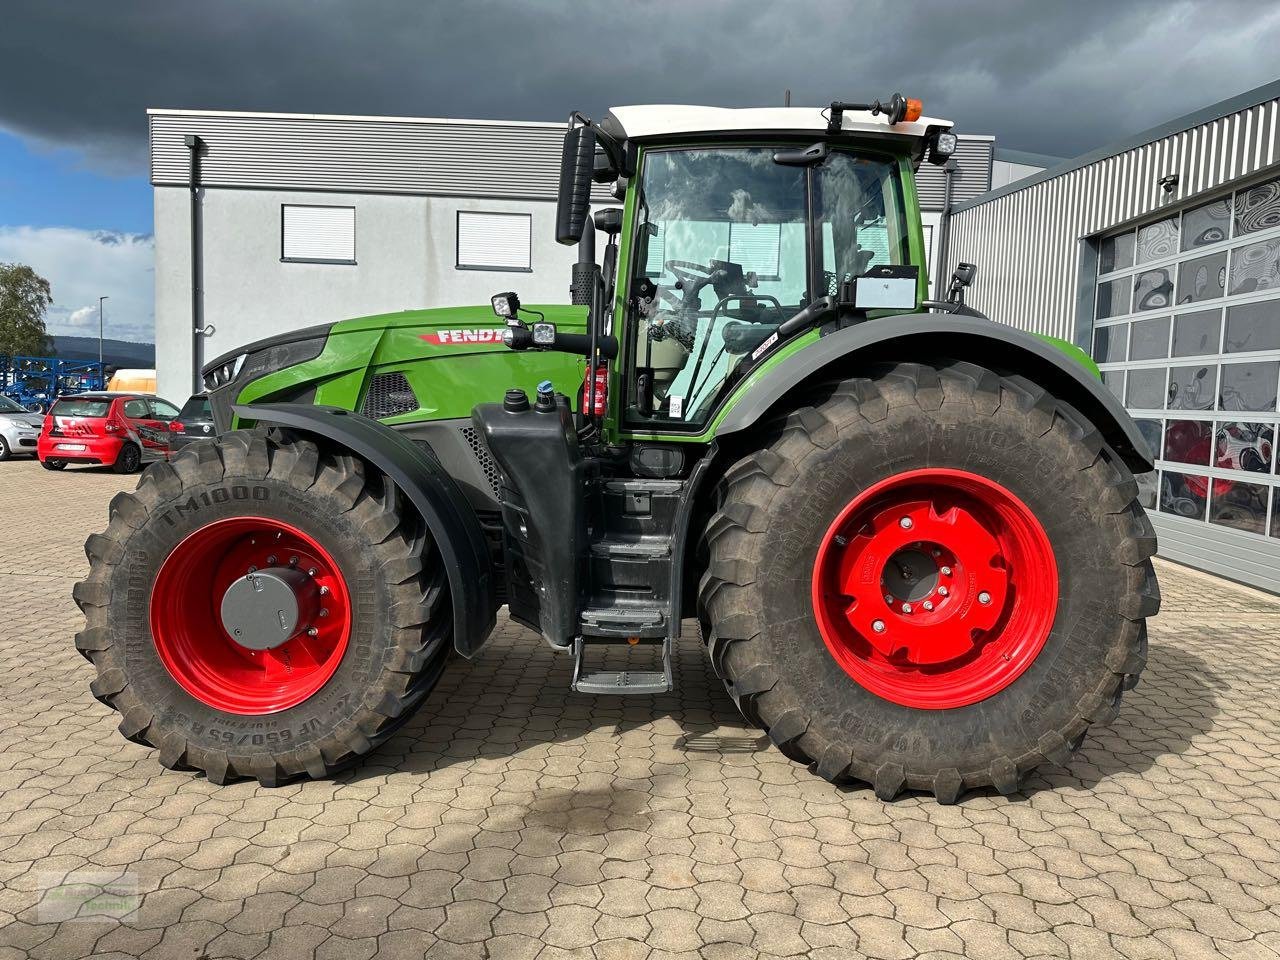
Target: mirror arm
x=807 y=316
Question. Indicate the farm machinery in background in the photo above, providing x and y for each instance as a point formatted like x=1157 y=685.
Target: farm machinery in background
x=36 y=382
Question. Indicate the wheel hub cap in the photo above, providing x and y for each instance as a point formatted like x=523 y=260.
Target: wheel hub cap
x=266 y=608
x=250 y=615
x=935 y=588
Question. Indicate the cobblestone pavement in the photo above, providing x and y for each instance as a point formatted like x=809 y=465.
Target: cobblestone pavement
x=513 y=820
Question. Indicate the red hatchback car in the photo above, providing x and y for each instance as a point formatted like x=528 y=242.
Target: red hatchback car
x=119 y=430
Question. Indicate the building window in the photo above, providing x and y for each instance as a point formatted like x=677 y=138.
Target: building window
x=311 y=234
x=495 y=241
x=1187 y=331
x=756 y=248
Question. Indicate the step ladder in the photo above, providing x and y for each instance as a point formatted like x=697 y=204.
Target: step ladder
x=620 y=682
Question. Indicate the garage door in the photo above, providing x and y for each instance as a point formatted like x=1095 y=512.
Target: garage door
x=1187 y=333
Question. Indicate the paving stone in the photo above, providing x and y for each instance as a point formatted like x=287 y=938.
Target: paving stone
x=510 y=818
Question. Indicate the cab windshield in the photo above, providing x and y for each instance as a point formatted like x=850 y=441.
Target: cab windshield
x=724 y=239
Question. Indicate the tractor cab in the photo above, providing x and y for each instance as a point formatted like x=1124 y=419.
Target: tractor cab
x=742 y=233
x=742 y=230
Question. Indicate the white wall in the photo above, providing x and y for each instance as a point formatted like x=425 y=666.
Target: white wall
x=405 y=259
x=1004 y=172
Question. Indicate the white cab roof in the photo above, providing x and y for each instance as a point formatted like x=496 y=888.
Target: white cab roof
x=659 y=120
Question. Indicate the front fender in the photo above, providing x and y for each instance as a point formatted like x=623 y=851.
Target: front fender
x=419 y=475
x=981 y=341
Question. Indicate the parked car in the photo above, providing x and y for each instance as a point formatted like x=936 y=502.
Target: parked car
x=18 y=428
x=194 y=422
x=119 y=430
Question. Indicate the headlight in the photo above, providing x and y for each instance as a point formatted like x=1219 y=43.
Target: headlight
x=222 y=375
x=505 y=305
x=944 y=145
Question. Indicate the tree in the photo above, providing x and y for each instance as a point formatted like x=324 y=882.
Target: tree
x=24 y=298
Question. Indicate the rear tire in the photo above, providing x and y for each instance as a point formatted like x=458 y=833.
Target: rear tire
x=779 y=510
x=400 y=633
x=128 y=460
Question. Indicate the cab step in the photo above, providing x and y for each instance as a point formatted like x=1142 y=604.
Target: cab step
x=623 y=620
x=616 y=683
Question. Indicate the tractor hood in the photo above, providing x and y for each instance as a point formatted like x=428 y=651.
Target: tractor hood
x=330 y=363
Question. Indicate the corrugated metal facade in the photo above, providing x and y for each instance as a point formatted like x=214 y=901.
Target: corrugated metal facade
x=974 y=156
x=429 y=157
x=1027 y=240
x=1215 y=507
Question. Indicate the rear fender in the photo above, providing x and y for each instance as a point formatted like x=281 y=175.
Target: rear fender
x=416 y=471
x=927 y=335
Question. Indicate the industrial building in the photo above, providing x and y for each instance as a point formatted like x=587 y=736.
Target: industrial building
x=1161 y=255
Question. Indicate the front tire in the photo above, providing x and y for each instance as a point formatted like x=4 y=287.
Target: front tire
x=5 y=452
x=306 y=707
x=865 y=506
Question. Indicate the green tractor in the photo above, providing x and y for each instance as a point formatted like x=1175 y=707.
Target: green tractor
x=911 y=535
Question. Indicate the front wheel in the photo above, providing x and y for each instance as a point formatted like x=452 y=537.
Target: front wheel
x=934 y=578
x=297 y=613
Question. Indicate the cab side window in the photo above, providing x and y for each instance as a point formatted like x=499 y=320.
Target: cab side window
x=135 y=409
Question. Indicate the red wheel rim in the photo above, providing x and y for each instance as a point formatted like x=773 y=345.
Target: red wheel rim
x=935 y=588
x=197 y=650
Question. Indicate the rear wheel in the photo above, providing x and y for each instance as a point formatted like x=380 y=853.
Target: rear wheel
x=298 y=616
x=128 y=460
x=934 y=578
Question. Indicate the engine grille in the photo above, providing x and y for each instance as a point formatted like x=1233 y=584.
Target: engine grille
x=389 y=394
x=485 y=459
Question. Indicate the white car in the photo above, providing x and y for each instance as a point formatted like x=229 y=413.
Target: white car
x=19 y=428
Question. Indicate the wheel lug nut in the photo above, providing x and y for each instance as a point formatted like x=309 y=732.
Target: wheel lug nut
x=905 y=523
x=937 y=553
x=928 y=604
x=311 y=572
x=943 y=591
x=946 y=571
x=293 y=561
x=877 y=626
x=984 y=597
x=906 y=608
x=271 y=560
x=888 y=598
x=324 y=591
x=842 y=541
x=324 y=612
x=312 y=631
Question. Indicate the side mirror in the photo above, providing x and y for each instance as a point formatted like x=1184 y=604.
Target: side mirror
x=577 y=164
x=961 y=278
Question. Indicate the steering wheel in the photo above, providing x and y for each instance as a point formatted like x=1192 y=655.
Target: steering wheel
x=691 y=278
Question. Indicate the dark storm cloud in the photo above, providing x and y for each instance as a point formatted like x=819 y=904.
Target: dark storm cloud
x=1052 y=77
